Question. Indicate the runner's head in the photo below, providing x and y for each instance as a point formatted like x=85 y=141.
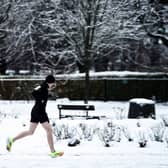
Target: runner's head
x=50 y=80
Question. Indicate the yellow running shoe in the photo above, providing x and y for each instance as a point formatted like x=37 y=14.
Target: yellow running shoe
x=9 y=144
x=56 y=154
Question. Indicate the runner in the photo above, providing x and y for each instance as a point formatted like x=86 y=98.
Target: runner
x=39 y=115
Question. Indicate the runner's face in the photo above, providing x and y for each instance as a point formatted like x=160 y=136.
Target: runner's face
x=51 y=86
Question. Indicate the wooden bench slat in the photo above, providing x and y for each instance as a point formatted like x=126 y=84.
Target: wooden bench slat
x=76 y=107
x=86 y=108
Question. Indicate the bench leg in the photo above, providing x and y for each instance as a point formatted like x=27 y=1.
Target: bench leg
x=86 y=114
x=60 y=114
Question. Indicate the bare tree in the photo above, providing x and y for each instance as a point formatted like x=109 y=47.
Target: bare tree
x=61 y=35
x=36 y=39
x=4 y=10
x=90 y=27
x=154 y=21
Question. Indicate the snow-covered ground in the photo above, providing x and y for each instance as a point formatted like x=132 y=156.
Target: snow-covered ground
x=32 y=152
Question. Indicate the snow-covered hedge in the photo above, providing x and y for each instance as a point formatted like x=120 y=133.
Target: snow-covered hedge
x=139 y=130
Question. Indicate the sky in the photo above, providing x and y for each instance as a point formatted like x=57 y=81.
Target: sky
x=33 y=151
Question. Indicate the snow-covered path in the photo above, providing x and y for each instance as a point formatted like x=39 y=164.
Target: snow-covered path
x=121 y=155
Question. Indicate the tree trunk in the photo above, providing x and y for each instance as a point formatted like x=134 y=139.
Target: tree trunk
x=87 y=85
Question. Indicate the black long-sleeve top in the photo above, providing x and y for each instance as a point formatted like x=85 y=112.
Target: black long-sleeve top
x=40 y=94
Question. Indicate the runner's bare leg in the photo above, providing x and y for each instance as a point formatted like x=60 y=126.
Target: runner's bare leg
x=48 y=130
x=28 y=132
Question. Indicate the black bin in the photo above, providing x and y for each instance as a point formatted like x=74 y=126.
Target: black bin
x=141 y=108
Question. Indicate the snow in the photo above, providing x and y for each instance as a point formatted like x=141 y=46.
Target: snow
x=142 y=101
x=32 y=152
x=93 y=75
x=113 y=75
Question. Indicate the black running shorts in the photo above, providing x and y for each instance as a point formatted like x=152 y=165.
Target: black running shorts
x=38 y=114
x=36 y=118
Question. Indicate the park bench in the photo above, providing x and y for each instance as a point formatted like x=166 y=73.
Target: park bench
x=84 y=108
